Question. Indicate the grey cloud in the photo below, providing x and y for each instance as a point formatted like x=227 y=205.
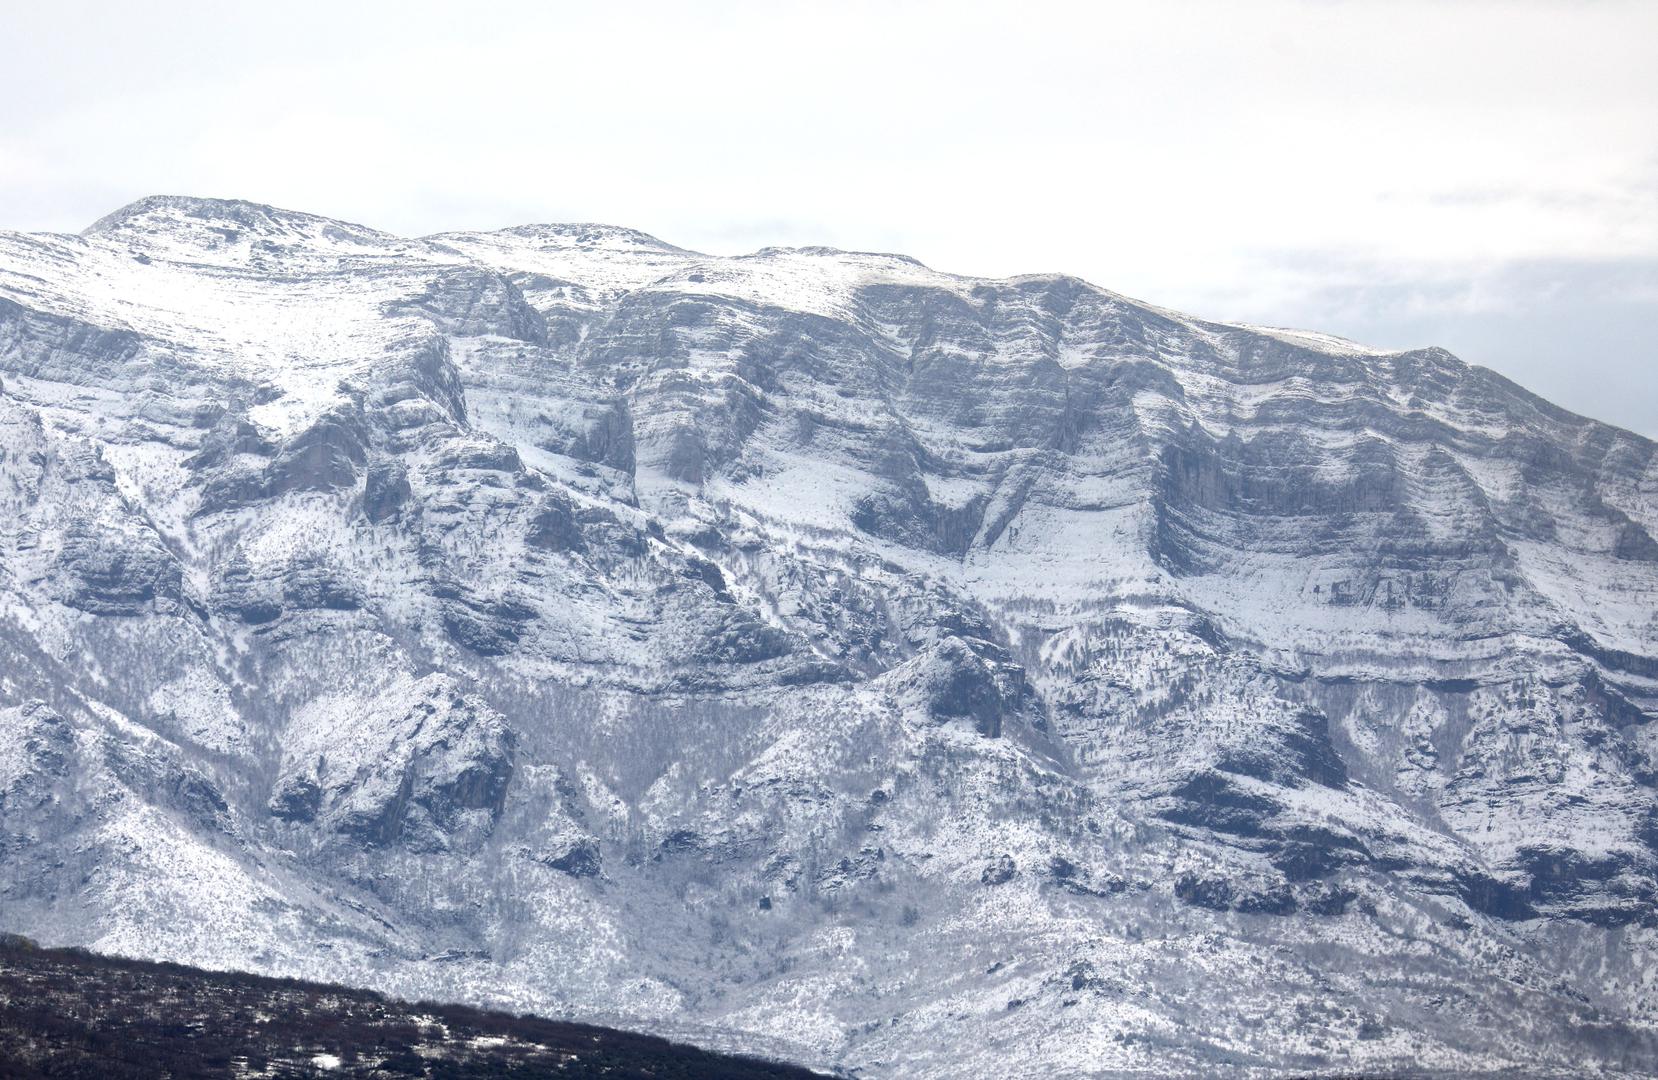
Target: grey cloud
x=1579 y=332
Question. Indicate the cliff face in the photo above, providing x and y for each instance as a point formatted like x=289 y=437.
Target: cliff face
x=923 y=673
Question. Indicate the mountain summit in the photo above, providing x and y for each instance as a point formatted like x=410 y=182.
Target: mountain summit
x=814 y=653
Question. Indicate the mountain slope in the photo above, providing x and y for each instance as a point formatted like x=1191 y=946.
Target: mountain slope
x=65 y=1013
x=923 y=673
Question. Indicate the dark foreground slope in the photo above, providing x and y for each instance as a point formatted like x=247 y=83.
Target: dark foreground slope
x=68 y=1013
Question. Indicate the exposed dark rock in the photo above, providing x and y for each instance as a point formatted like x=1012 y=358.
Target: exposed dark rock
x=488 y=627
x=471 y=301
x=436 y=773
x=1213 y=801
x=1330 y=900
x=999 y=872
x=230 y=438
x=739 y=638
x=581 y=860
x=1300 y=750
x=1491 y=896
x=296 y=798
x=324 y=456
x=237 y=593
x=680 y=842
x=117 y=573
x=1213 y=893
x=553 y=527
x=1308 y=852
x=313 y=584
x=47 y=744
x=1565 y=876
x=481 y=456
x=957 y=684
x=385 y=491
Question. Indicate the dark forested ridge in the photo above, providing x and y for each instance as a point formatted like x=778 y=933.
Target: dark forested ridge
x=69 y=1013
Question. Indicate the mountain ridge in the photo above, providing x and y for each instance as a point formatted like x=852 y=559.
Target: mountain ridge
x=933 y=673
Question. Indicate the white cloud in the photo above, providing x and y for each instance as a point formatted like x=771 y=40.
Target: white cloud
x=1214 y=156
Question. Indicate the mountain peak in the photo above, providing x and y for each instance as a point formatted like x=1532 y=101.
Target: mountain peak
x=590 y=236
x=828 y=252
x=155 y=215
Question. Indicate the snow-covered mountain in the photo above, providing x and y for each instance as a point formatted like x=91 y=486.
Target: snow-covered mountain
x=815 y=653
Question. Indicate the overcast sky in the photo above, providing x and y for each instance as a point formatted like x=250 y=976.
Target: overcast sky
x=1481 y=176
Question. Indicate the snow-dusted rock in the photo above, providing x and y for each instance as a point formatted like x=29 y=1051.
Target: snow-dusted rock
x=814 y=652
x=422 y=764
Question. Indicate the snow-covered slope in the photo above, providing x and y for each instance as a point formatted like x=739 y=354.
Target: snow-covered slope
x=813 y=652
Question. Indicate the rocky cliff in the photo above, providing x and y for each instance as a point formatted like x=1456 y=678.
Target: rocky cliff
x=816 y=653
